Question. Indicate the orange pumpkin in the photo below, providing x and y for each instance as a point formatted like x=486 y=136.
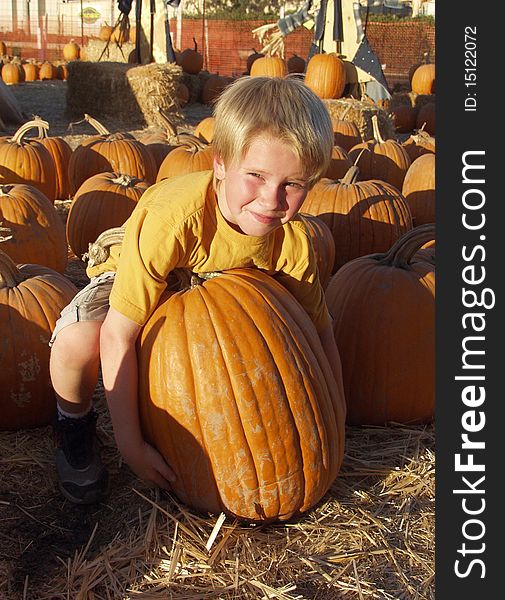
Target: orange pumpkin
x=31 y=298
x=105 y=32
x=423 y=80
x=381 y=159
x=26 y=160
x=363 y=216
x=162 y=143
x=346 y=133
x=339 y=163
x=326 y=75
x=295 y=64
x=205 y=129
x=251 y=58
x=48 y=71
x=191 y=60
x=269 y=66
x=110 y=153
x=31 y=71
x=420 y=142
x=419 y=189
x=383 y=308
x=323 y=244
x=193 y=154
x=12 y=73
x=61 y=152
x=71 y=51
x=102 y=202
x=34 y=231
x=217 y=362
x=426 y=117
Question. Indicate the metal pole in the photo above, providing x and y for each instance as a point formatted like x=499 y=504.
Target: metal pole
x=82 y=27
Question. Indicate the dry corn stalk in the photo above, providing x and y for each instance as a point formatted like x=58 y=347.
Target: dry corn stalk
x=272 y=42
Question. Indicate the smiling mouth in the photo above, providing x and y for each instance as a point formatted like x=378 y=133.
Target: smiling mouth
x=267 y=219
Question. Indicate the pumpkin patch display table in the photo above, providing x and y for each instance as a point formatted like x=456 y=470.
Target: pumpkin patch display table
x=238 y=396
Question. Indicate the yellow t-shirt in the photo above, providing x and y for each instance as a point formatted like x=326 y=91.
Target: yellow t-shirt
x=177 y=224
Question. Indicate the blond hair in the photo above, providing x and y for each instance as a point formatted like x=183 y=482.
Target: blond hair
x=284 y=108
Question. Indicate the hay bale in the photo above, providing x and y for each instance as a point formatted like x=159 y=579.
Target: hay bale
x=132 y=94
x=361 y=113
x=410 y=99
x=98 y=50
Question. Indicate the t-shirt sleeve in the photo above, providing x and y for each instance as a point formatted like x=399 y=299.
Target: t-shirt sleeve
x=298 y=273
x=151 y=249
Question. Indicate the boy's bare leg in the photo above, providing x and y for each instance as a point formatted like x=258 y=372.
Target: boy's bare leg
x=74 y=364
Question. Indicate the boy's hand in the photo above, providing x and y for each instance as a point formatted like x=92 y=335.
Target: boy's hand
x=148 y=464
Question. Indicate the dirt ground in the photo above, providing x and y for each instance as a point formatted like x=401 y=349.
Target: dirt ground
x=47 y=99
x=372 y=536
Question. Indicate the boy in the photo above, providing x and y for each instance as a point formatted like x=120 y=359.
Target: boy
x=273 y=141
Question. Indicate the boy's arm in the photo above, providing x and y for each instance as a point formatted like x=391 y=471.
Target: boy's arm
x=119 y=371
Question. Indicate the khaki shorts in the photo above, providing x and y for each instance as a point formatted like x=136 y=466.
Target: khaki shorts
x=89 y=304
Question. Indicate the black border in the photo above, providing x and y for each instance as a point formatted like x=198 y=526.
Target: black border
x=459 y=131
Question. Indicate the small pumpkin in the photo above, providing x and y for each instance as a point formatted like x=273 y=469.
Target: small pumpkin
x=423 y=79
x=71 y=51
x=105 y=32
x=12 y=73
x=236 y=393
x=269 y=66
x=48 y=71
x=295 y=64
x=31 y=299
x=191 y=60
x=326 y=75
x=383 y=308
x=192 y=154
x=31 y=71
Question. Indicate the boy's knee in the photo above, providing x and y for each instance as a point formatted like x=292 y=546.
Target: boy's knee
x=78 y=342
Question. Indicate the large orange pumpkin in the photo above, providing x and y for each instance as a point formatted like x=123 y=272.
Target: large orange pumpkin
x=236 y=393
x=102 y=202
x=36 y=233
x=326 y=75
x=60 y=151
x=26 y=160
x=383 y=308
x=110 y=153
x=31 y=298
x=363 y=216
x=191 y=60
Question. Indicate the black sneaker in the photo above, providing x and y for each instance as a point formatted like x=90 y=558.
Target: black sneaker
x=82 y=478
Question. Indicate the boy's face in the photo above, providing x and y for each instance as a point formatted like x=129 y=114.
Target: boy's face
x=264 y=190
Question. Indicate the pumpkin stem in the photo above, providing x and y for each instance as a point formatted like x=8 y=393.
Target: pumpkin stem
x=125 y=180
x=17 y=138
x=192 y=143
x=401 y=252
x=5 y=230
x=351 y=175
x=10 y=275
x=98 y=252
x=170 y=126
x=376 y=132
x=187 y=280
x=42 y=131
x=102 y=130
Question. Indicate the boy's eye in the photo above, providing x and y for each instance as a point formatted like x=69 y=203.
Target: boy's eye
x=296 y=185
x=254 y=174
